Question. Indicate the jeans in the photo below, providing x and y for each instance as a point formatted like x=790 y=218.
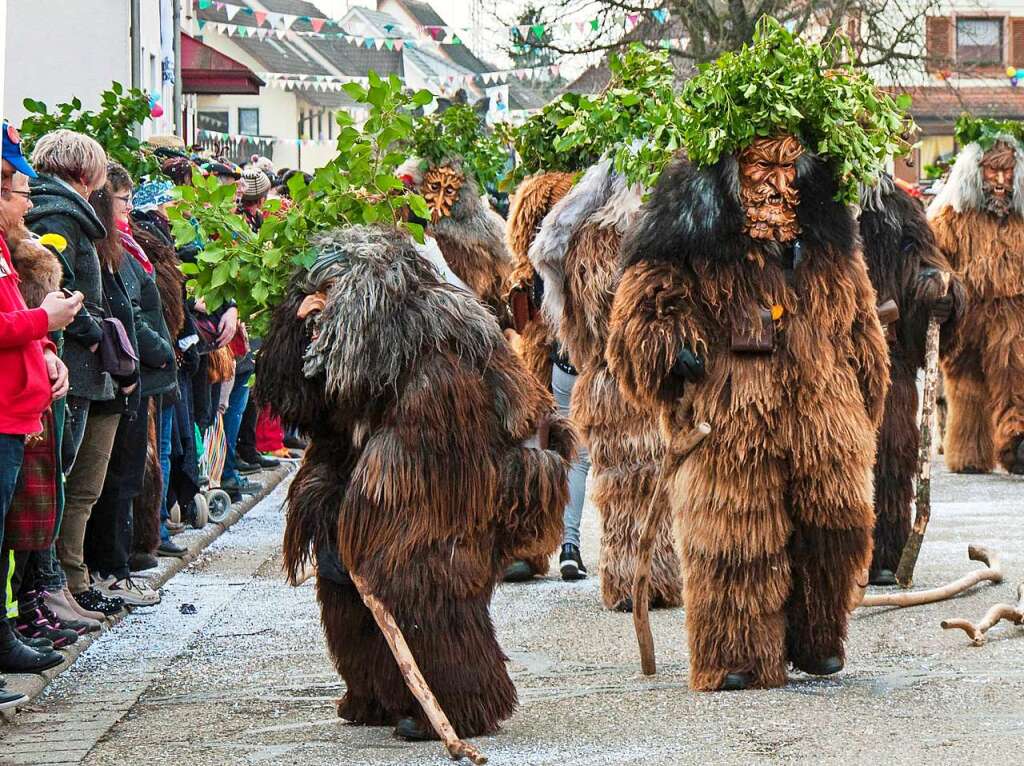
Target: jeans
x=561 y=386
x=165 y=422
x=12 y=454
x=237 y=403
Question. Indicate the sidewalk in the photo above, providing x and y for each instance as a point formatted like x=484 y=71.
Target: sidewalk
x=195 y=540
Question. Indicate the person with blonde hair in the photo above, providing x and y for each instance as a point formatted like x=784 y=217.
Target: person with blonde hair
x=71 y=166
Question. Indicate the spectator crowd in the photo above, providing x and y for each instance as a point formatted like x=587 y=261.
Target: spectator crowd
x=117 y=386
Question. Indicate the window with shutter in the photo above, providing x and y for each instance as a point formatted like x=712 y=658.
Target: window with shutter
x=939 y=41
x=1017 y=43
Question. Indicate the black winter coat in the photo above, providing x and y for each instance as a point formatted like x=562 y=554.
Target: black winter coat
x=59 y=209
x=156 y=350
x=121 y=306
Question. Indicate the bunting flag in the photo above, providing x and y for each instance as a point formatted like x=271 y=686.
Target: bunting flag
x=439 y=34
x=237 y=138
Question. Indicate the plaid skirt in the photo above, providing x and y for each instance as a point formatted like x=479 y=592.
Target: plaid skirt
x=33 y=514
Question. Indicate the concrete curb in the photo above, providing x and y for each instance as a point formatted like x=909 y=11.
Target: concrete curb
x=197 y=541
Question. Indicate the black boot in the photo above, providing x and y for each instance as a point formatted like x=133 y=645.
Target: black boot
x=15 y=657
x=736 y=682
x=823 y=667
x=570 y=563
x=412 y=730
x=881 y=577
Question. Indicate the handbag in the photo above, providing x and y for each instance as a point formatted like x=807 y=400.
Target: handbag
x=117 y=357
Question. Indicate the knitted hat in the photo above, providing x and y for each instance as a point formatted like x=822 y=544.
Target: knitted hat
x=254 y=183
x=263 y=163
x=153 y=194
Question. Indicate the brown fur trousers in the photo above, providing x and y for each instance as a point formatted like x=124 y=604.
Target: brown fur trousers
x=984 y=361
x=623 y=439
x=773 y=510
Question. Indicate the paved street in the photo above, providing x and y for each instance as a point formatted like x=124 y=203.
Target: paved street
x=244 y=680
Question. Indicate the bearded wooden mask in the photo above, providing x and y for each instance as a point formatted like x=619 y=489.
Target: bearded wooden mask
x=441 y=187
x=768 y=188
x=997 y=178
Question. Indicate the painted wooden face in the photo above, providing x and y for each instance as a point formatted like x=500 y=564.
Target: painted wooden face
x=997 y=178
x=768 y=188
x=440 y=189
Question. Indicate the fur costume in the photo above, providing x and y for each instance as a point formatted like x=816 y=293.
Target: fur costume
x=39 y=271
x=576 y=253
x=532 y=201
x=417 y=473
x=146 y=508
x=471 y=235
x=904 y=265
x=773 y=509
x=983 y=361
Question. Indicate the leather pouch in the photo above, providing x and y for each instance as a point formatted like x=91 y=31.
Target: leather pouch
x=758 y=339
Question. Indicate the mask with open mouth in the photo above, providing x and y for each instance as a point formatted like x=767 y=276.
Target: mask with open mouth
x=768 y=188
x=440 y=190
x=997 y=178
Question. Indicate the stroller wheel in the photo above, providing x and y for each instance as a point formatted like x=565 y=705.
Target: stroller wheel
x=200 y=512
x=220 y=505
x=174 y=513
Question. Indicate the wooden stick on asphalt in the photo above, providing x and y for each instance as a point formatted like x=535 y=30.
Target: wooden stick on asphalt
x=993 y=572
x=977 y=631
x=652 y=522
x=923 y=503
x=414 y=679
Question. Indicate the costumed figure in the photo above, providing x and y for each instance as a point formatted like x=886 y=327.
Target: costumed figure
x=576 y=254
x=534 y=343
x=423 y=474
x=470 y=235
x=908 y=273
x=978 y=220
x=745 y=304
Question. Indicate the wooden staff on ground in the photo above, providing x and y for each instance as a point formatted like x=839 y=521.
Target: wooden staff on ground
x=923 y=503
x=680 y=446
x=993 y=572
x=976 y=631
x=413 y=677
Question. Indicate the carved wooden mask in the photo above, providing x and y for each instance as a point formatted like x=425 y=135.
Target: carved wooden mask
x=768 y=188
x=440 y=189
x=997 y=178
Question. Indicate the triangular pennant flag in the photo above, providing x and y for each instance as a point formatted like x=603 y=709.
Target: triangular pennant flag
x=248 y=10
x=350 y=39
x=538 y=31
x=524 y=31
x=273 y=19
x=231 y=10
x=660 y=15
x=317 y=24
x=455 y=40
x=280 y=33
x=289 y=20
x=390 y=44
x=634 y=19
x=594 y=24
x=204 y=4
x=202 y=23
x=368 y=42
x=398 y=44
x=261 y=16
x=218 y=6
x=379 y=44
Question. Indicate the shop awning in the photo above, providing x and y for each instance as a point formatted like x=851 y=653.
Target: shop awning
x=205 y=70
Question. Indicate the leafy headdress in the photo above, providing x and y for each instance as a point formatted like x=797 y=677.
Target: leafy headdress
x=964 y=188
x=780 y=84
x=459 y=133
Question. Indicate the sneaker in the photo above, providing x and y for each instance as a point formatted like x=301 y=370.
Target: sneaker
x=33 y=605
x=74 y=609
x=130 y=591
x=29 y=626
x=95 y=601
x=11 y=699
x=570 y=563
x=171 y=550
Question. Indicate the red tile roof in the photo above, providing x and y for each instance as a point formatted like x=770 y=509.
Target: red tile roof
x=936 y=107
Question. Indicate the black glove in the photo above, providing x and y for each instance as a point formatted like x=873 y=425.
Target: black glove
x=689 y=365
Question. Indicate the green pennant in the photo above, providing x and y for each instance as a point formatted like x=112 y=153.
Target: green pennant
x=594 y=24
x=202 y=23
x=204 y=4
x=389 y=44
x=538 y=31
x=456 y=40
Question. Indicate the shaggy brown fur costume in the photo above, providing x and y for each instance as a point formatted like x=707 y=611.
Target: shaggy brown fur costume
x=905 y=266
x=39 y=271
x=472 y=239
x=984 y=359
x=576 y=254
x=146 y=508
x=417 y=473
x=773 y=510
x=533 y=199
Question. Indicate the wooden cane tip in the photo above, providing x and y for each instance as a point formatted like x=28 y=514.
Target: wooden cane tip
x=704 y=428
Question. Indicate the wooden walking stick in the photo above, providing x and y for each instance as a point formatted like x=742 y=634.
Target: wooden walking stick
x=413 y=677
x=923 y=500
x=681 y=447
